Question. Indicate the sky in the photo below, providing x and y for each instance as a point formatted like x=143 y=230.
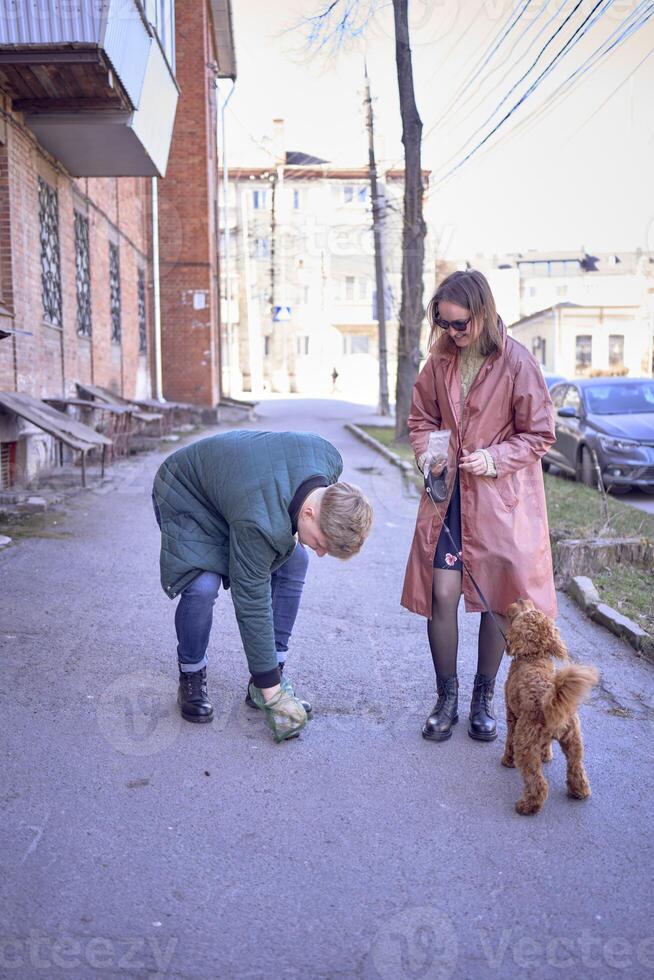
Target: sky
x=575 y=172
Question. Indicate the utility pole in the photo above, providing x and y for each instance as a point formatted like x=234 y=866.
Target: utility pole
x=273 y=229
x=377 y=230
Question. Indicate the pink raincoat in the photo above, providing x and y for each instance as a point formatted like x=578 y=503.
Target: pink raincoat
x=505 y=536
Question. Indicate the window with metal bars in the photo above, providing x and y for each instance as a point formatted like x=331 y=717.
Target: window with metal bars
x=7 y=464
x=82 y=275
x=616 y=350
x=50 y=253
x=114 y=293
x=143 y=335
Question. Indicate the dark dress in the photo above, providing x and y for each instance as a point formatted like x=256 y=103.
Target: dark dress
x=445 y=556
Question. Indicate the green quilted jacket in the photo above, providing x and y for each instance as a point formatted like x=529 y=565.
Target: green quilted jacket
x=223 y=505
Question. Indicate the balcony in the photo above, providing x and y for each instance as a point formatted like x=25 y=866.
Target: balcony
x=94 y=82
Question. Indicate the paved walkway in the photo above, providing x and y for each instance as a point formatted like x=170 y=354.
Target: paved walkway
x=134 y=844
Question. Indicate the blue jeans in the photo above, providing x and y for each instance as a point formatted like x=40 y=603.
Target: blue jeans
x=194 y=613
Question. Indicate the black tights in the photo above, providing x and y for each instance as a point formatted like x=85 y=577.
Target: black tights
x=443 y=630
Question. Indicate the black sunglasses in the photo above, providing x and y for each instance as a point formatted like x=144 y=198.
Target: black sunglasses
x=458 y=325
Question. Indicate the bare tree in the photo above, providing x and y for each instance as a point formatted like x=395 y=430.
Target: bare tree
x=413 y=239
x=328 y=29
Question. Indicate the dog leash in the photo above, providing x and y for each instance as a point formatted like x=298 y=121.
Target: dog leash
x=429 y=490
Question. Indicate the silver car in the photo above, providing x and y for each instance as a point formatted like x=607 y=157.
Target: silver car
x=610 y=420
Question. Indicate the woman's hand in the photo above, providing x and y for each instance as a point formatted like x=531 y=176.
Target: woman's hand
x=435 y=464
x=474 y=463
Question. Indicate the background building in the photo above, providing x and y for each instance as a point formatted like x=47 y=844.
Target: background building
x=578 y=312
x=301 y=295
x=575 y=340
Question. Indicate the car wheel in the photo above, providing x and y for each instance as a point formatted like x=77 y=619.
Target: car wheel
x=648 y=490
x=617 y=489
x=586 y=469
x=546 y=467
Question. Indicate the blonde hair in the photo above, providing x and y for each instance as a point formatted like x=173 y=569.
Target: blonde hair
x=345 y=519
x=471 y=291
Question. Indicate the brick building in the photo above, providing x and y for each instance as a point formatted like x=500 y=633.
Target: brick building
x=88 y=100
x=190 y=313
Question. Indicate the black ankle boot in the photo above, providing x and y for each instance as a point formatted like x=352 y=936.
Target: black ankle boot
x=438 y=726
x=192 y=696
x=482 y=716
x=251 y=704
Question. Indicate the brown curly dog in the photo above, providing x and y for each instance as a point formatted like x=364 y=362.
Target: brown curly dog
x=541 y=705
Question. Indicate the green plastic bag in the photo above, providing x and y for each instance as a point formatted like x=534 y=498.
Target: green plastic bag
x=284 y=714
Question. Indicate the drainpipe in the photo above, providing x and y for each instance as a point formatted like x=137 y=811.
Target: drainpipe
x=158 y=366
x=228 y=315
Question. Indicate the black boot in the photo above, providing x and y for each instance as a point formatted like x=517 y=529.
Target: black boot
x=438 y=726
x=482 y=717
x=192 y=696
x=250 y=703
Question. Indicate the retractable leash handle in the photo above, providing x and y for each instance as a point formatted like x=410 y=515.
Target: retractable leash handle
x=436 y=487
x=436 y=493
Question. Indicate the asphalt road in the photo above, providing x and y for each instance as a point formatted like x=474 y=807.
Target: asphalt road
x=135 y=844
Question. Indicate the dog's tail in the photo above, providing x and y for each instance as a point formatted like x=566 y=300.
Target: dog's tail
x=569 y=687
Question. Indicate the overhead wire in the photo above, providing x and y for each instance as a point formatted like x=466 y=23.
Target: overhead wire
x=641 y=13
x=475 y=70
x=567 y=47
x=482 y=82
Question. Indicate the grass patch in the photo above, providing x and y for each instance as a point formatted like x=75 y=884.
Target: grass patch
x=575 y=511
x=629 y=590
x=38 y=525
x=386 y=435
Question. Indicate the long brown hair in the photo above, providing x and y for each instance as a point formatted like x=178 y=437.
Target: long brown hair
x=471 y=291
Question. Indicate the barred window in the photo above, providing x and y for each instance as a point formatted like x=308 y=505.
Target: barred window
x=143 y=336
x=583 y=351
x=50 y=255
x=114 y=292
x=616 y=350
x=82 y=275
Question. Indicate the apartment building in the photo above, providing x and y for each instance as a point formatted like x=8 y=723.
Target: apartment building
x=578 y=312
x=301 y=305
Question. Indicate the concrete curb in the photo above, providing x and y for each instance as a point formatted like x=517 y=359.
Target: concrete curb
x=584 y=593
x=580 y=588
x=392 y=457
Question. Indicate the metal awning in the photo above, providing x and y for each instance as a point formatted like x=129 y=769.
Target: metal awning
x=8 y=331
x=67 y=430
x=107 y=397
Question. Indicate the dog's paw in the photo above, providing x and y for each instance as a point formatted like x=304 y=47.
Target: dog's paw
x=547 y=755
x=526 y=808
x=580 y=791
x=507 y=761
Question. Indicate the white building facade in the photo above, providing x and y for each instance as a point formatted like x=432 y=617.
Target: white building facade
x=578 y=313
x=301 y=313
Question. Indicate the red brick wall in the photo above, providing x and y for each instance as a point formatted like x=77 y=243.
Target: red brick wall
x=187 y=220
x=51 y=360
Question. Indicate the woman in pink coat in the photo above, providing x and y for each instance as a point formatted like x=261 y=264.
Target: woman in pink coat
x=488 y=391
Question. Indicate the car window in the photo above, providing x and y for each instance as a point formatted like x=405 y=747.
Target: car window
x=620 y=398
x=572 y=399
x=557 y=393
